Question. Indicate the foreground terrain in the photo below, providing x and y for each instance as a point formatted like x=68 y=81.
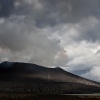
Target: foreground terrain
x=14 y=96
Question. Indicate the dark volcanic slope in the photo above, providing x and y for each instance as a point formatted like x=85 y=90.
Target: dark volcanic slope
x=15 y=71
x=53 y=80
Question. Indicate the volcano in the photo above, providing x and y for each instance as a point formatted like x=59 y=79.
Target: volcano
x=31 y=78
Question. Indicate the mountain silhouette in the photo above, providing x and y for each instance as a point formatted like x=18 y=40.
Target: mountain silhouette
x=26 y=77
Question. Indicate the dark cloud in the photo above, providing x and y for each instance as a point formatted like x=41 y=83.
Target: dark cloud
x=51 y=12
x=81 y=69
x=6 y=7
x=80 y=72
x=55 y=12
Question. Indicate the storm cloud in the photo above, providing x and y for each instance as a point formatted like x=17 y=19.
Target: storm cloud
x=52 y=33
x=6 y=7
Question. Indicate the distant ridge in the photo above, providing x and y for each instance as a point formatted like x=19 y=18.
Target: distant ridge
x=37 y=78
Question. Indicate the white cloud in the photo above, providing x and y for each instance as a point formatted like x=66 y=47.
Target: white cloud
x=93 y=74
x=25 y=42
x=83 y=52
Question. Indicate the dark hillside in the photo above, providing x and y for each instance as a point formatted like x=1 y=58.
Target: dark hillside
x=31 y=78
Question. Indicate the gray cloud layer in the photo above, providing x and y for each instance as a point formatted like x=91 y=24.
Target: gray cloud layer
x=52 y=33
x=22 y=40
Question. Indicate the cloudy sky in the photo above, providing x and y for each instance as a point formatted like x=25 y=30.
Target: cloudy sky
x=52 y=33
